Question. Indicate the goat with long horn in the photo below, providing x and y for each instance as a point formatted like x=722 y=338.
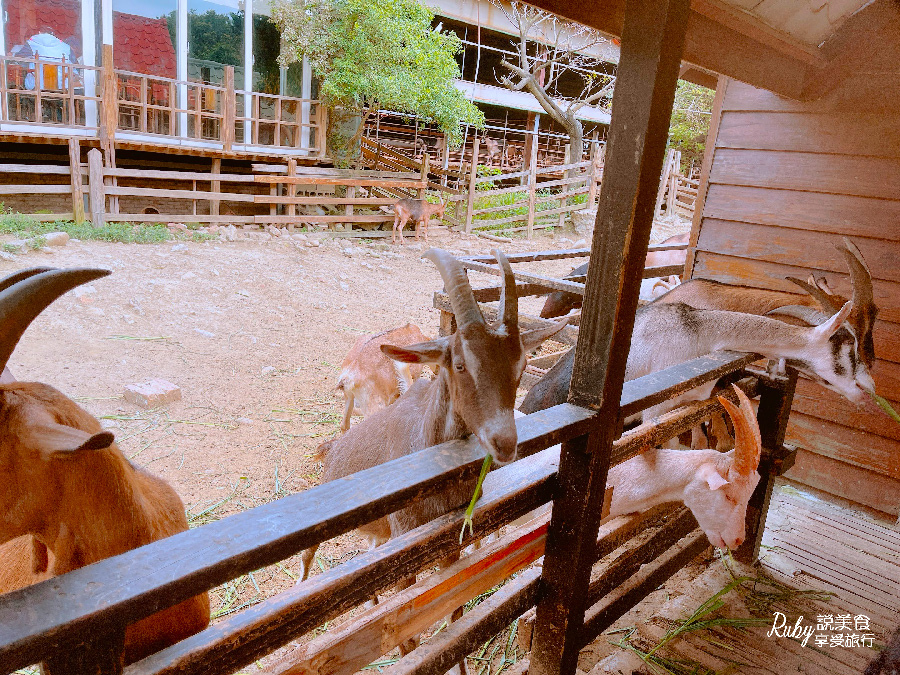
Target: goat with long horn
x=70 y=497
x=473 y=394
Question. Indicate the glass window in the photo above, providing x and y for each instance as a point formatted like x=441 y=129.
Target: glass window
x=215 y=40
x=144 y=36
x=266 y=48
x=40 y=34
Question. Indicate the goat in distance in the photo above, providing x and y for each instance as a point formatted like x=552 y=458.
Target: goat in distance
x=71 y=497
x=419 y=211
x=369 y=380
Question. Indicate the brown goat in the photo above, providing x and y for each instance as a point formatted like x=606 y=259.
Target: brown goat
x=419 y=211
x=370 y=380
x=71 y=497
x=474 y=393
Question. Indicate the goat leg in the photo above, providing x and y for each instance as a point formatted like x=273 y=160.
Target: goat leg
x=306 y=558
x=348 y=409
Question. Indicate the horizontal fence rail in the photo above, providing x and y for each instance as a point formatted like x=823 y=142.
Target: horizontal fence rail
x=55 y=616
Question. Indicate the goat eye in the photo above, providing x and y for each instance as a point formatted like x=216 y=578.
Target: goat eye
x=459 y=366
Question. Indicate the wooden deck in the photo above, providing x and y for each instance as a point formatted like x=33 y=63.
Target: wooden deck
x=811 y=545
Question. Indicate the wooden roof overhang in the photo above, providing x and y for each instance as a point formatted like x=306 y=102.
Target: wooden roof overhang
x=785 y=46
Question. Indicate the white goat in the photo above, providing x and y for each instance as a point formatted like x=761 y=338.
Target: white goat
x=369 y=380
x=668 y=334
x=715 y=486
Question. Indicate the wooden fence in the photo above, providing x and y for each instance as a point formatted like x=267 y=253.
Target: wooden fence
x=536 y=203
x=112 y=104
x=57 y=622
x=288 y=193
x=677 y=193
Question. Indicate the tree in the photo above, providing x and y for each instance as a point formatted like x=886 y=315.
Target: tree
x=690 y=121
x=549 y=49
x=371 y=54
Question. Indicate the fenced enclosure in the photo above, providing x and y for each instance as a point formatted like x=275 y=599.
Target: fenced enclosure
x=43 y=623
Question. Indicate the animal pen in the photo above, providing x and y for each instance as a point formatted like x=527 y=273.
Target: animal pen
x=593 y=571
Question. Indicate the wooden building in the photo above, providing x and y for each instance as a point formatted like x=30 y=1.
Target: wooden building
x=787 y=181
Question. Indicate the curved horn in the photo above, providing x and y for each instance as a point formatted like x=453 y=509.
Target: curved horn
x=747 y=441
x=23 y=301
x=811 y=316
x=16 y=277
x=465 y=309
x=509 y=299
x=825 y=301
x=863 y=317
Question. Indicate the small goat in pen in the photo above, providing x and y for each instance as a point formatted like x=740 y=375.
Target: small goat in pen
x=369 y=380
x=715 y=486
x=474 y=393
x=419 y=211
x=71 y=498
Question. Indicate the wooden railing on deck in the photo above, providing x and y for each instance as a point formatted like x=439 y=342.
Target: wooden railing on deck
x=166 y=110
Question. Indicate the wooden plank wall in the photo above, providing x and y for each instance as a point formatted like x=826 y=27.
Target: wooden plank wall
x=786 y=182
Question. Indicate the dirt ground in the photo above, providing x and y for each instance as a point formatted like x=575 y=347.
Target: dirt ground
x=253 y=333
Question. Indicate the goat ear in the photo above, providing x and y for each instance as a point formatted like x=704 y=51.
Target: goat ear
x=712 y=477
x=59 y=439
x=830 y=327
x=425 y=352
x=533 y=338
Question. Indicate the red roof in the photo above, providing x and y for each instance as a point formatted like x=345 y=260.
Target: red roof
x=25 y=18
x=141 y=44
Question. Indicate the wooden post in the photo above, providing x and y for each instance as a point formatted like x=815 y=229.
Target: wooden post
x=109 y=101
x=273 y=207
x=775 y=399
x=229 y=110
x=215 y=186
x=532 y=184
x=652 y=42
x=445 y=161
x=77 y=189
x=663 y=182
x=321 y=128
x=348 y=209
x=592 y=171
x=426 y=167
x=292 y=191
x=473 y=181
x=97 y=191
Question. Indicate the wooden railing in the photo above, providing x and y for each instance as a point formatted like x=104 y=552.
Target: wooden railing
x=106 y=101
x=40 y=92
x=677 y=193
x=281 y=195
x=58 y=622
x=537 y=203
